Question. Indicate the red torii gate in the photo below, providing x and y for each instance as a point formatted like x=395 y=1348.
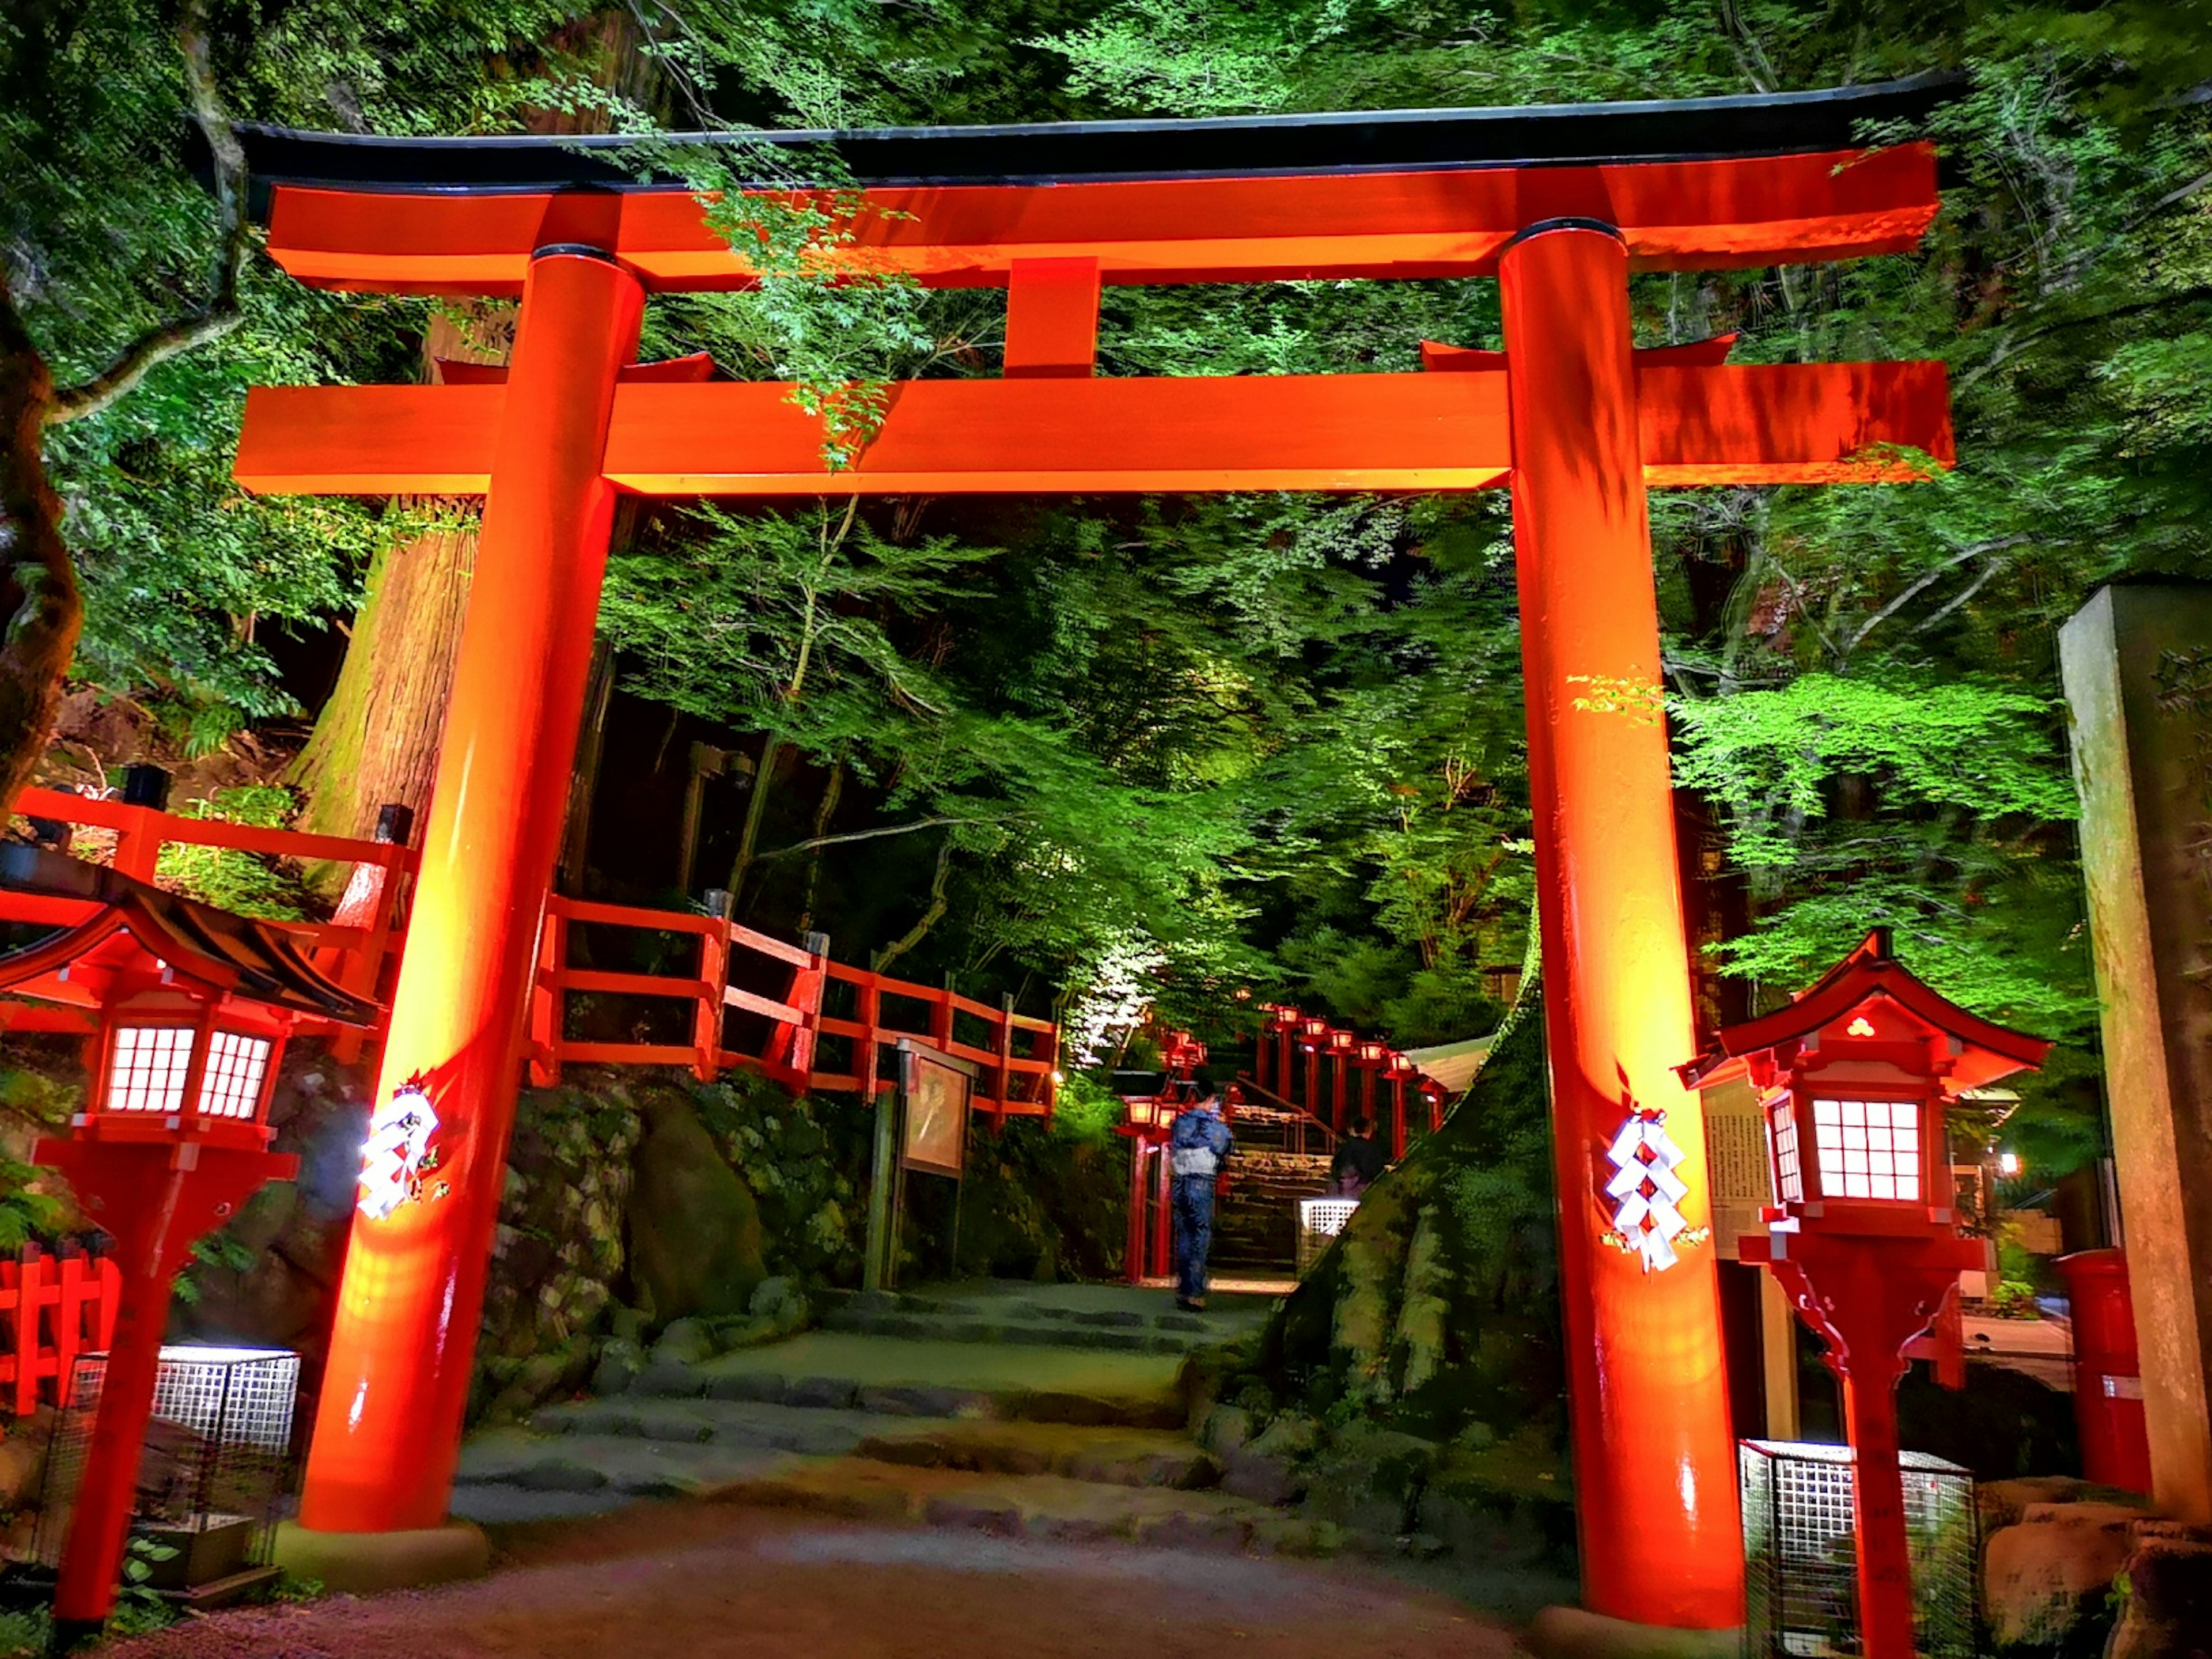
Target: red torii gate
x=1576 y=420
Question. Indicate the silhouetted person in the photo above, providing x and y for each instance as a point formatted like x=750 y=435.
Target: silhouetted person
x=1359 y=1162
x=1198 y=1142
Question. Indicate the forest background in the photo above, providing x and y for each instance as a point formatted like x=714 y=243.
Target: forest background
x=1168 y=754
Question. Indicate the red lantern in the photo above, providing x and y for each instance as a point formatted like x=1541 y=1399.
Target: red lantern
x=193 y=1005
x=1855 y=1076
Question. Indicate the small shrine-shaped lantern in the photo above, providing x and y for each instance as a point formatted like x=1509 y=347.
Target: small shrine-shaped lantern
x=1855 y=1076
x=191 y=1007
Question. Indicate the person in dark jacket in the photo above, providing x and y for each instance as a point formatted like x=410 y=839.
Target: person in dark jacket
x=1359 y=1162
x=1198 y=1143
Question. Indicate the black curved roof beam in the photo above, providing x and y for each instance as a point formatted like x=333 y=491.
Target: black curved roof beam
x=1240 y=146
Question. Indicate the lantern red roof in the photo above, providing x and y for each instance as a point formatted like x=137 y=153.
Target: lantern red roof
x=141 y=931
x=1981 y=1050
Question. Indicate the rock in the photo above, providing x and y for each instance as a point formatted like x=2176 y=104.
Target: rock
x=1366 y=1479
x=1225 y=1429
x=627 y=1324
x=684 y=1342
x=2168 y=1609
x=1270 y=1469
x=2002 y=1503
x=1495 y=1505
x=669 y=1380
x=782 y=1304
x=2047 y=1579
x=695 y=1232
x=746 y=1331
x=619 y=1364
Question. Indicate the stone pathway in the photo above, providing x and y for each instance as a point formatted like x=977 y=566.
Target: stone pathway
x=1054 y=1412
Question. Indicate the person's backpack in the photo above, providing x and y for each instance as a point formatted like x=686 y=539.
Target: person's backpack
x=1196 y=1141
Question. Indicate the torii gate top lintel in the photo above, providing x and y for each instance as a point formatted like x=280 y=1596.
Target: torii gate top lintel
x=1053 y=215
x=1693 y=184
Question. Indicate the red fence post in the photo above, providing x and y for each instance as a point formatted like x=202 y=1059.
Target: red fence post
x=138 y=845
x=35 y=1359
x=1005 y=1047
x=870 y=1011
x=14 y=1366
x=713 y=982
x=546 y=998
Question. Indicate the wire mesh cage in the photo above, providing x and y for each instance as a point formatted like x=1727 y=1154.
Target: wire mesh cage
x=1800 y=1552
x=218 y=1449
x=1320 y=1219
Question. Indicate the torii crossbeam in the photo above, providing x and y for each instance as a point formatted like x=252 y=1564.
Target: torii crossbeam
x=1560 y=205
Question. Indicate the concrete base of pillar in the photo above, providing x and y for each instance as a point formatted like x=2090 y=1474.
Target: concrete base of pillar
x=361 y=1563
x=1571 y=1634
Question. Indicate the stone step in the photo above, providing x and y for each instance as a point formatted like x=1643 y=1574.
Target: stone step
x=848 y=1371
x=1102 y=1456
x=1031 y=1505
x=761 y=1425
x=952 y=1327
x=585 y=1473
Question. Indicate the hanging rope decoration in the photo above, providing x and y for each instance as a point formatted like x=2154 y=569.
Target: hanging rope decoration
x=1646 y=1193
x=397 y=1153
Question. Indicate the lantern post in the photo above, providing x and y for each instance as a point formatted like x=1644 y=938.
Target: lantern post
x=1855 y=1076
x=193 y=1007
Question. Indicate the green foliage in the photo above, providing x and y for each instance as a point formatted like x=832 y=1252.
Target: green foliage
x=1137 y=757
x=247 y=883
x=1085 y=1110
x=25 y=1634
x=216 y=1250
x=139 y=1608
x=35 y=1102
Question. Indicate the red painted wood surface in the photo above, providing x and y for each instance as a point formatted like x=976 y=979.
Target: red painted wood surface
x=357 y=948
x=1654 y=1460
x=1675 y=215
x=1765 y=424
x=409 y=1304
x=52 y=1307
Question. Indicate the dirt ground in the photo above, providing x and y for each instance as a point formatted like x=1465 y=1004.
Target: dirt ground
x=700 y=1581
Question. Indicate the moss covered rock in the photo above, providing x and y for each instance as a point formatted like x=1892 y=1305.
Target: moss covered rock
x=694 y=1229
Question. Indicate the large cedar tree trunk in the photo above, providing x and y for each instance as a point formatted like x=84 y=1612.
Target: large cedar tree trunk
x=39 y=609
x=376 y=740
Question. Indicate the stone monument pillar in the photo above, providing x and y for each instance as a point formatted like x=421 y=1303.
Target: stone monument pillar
x=2137 y=662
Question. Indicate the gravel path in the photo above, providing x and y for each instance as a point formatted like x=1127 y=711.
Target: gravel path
x=698 y=1581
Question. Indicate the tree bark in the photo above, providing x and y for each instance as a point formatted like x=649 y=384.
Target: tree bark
x=37 y=582
x=376 y=739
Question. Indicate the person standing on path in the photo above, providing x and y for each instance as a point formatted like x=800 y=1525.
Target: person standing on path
x=1359 y=1163
x=1198 y=1142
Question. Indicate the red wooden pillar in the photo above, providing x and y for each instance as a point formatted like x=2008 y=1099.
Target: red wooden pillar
x=156 y=1198
x=1162 y=1214
x=1655 y=1465
x=1132 y=1252
x=388 y=1434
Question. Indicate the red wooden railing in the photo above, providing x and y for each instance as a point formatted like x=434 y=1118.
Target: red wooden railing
x=52 y=1307
x=360 y=944
x=1018 y=1054
x=1306 y=1062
